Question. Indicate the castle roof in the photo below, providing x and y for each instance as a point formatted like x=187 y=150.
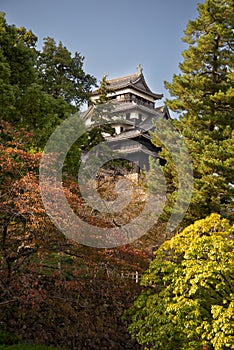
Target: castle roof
x=135 y=81
x=128 y=106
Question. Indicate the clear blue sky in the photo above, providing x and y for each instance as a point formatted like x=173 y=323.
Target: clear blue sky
x=113 y=36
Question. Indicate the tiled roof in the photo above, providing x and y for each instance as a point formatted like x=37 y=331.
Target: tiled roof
x=127 y=106
x=135 y=81
x=123 y=81
x=140 y=129
x=136 y=148
x=122 y=107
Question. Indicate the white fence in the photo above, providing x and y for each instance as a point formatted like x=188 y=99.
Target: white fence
x=136 y=276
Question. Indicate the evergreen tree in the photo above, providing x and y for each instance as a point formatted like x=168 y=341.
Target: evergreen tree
x=18 y=46
x=38 y=90
x=6 y=90
x=203 y=94
x=102 y=110
x=22 y=98
x=17 y=59
x=104 y=90
x=62 y=75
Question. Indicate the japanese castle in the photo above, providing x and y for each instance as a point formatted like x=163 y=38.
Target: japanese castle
x=133 y=115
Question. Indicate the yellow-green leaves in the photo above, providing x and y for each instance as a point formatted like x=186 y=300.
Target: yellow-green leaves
x=188 y=300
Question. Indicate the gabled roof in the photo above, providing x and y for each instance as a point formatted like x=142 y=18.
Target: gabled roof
x=140 y=130
x=134 y=147
x=135 y=81
x=122 y=82
x=128 y=106
x=120 y=107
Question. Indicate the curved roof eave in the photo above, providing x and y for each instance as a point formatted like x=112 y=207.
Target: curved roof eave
x=130 y=81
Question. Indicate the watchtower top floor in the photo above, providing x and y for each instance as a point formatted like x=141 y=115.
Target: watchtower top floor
x=130 y=88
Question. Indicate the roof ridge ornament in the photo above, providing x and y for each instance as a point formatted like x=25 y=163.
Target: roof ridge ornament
x=139 y=69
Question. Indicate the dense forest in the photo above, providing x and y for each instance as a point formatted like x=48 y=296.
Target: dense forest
x=55 y=292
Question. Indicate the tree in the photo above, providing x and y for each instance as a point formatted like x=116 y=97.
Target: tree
x=203 y=94
x=188 y=299
x=6 y=89
x=46 y=280
x=19 y=49
x=22 y=100
x=41 y=113
x=38 y=90
x=17 y=57
x=103 y=91
x=62 y=75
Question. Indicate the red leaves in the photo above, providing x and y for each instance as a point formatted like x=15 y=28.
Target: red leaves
x=13 y=135
x=15 y=159
x=46 y=279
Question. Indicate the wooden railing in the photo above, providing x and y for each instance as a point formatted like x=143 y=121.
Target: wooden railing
x=136 y=276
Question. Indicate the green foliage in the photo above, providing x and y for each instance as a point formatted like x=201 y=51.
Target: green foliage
x=101 y=110
x=17 y=60
x=27 y=347
x=38 y=90
x=7 y=338
x=188 y=301
x=6 y=90
x=41 y=113
x=62 y=75
x=18 y=48
x=203 y=94
x=103 y=90
x=205 y=86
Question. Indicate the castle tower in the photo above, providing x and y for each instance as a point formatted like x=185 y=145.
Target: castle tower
x=133 y=117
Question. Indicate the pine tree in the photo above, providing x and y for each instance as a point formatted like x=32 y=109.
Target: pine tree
x=203 y=94
x=62 y=75
x=38 y=90
x=104 y=90
x=17 y=61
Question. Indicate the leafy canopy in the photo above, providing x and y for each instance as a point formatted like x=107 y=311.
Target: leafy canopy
x=188 y=300
x=39 y=89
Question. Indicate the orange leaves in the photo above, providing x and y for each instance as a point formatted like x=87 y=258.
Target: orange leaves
x=52 y=280
x=15 y=160
x=13 y=136
x=23 y=198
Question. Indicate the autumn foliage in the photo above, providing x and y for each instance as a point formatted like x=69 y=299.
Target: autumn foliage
x=53 y=290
